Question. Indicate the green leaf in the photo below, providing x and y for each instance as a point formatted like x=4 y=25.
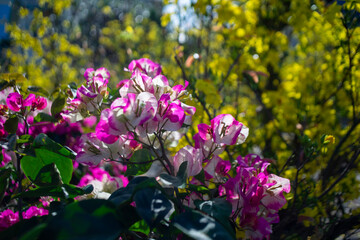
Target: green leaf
x=43 y=141
x=49 y=175
x=123 y=195
x=32 y=165
x=73 y=88
x=198 y=188
x=180 y=179
x=47 y=152
x=4 y=181
x=43 y=117
x=23 y=229
x=201 y=176
x=113 y=94
x=34 y=233
x=182 y=170
x=140 y=226
x=87 y=219
x=11 y=144
x=63 y=191
x=38 y=90
x=218 y=208
x=58 y=105
x=200 y=226
x=11 y=124
x=152 y=206
x=25 y=139
x=139 y=163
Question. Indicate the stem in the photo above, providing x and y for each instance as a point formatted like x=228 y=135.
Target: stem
x=20 y=202
x=171 y=167
x=342 y=175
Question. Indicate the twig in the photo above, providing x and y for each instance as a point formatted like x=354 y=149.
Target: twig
x=342 y=175
x=236 y=61
x=171 y=167
x=337 y=149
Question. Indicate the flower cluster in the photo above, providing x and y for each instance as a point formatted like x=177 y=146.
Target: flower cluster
x=88 y=98
x=211 y=141
x=148 y=116
x=147 y=106
x=256 y=196
x=9 y=218
x=16 y=102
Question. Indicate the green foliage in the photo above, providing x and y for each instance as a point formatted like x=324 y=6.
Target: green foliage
x=139 y=163
x=50 y=160
x=200 y=226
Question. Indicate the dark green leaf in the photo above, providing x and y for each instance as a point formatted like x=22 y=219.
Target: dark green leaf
x=43 y=117
x=11 y=144
x=4 y=181
x=64 y=191
x=152 y=206
x=218 y=208
x=179 y=180
x=182 y=170
x=200 y=226
x=43 y=141
x=123 y=195
x=23 y=229
x=87 y=219
x=34 y=233
x=38 y=90
x=139 y=163
x=49 y=175
x=201 y=176
x=11 y=125
x=171 y=180
x=58 y=105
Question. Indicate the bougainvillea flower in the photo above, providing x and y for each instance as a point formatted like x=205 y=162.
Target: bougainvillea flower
x=193 y=157
x=227 y=130
x=274 y=198
x=178 y=91
x=90 y=73
x=39 y=103
x=16 y=102
x=9 y=218
x=145 y=65
x=132 y=111
x=103 y=129
x=170 y=115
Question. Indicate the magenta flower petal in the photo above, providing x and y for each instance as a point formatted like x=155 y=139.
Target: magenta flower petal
x=14 y=101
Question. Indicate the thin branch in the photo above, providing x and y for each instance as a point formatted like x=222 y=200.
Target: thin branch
x=337 y=150
x=236 y=61
x=163 y=151
x=342 y=175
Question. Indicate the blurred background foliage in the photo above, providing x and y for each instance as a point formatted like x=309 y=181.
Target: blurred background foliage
x=287 y=69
